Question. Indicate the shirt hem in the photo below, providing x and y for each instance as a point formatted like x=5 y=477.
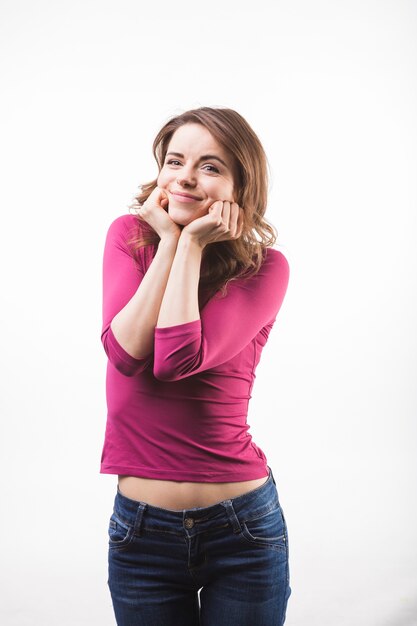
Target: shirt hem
x=183 y=475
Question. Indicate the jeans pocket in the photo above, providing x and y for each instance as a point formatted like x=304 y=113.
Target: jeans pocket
x=120 y=533
x=267 y=529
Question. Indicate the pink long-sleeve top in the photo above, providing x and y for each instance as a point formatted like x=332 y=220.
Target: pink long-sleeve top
x=181 y=412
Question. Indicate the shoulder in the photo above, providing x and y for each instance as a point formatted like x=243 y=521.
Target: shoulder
x=131 y=236
x=123 y=224
x=274 y=266
x=126 y=228
x=121 y=234
x=272 y=275
x=276 y=256
x=275 y=262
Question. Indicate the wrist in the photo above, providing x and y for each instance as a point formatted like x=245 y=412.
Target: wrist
x=169 y=240
x=188 y=240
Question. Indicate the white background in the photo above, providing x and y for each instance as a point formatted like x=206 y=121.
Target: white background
x=330 y=88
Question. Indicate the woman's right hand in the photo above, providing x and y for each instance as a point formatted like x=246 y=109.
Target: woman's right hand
x=153 y=211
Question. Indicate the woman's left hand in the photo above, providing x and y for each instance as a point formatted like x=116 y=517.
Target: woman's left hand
x=223 y=222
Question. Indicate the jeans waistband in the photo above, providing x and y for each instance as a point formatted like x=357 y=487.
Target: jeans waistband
x=252 y=503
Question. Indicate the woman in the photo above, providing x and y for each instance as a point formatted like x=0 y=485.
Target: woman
x=191 y=290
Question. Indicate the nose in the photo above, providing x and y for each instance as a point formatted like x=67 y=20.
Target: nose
x=186 y=178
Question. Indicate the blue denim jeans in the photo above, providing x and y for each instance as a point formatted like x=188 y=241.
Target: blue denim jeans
x=221 y=565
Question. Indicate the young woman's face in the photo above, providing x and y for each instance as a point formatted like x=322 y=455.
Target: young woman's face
x=196 y=172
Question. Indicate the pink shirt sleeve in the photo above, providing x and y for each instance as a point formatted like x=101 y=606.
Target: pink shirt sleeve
x=121 y=279
x=226 y=325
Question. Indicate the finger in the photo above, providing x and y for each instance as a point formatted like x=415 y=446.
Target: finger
x=215 y=210
x=240 y=223
x=155 y=194
x=234 y=223
x=216 y=207
x=234 y=217
x=157 y=198
x=226 y=213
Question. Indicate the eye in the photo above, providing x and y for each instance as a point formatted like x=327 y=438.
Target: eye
x=172 y=162
x=212 y=168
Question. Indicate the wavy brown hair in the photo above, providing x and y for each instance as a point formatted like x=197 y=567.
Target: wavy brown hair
x=222 y=261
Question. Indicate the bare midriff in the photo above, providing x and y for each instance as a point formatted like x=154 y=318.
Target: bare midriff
x=176 y=496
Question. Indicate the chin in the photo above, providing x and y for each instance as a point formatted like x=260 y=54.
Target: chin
x=176 y=217
x=182 y=217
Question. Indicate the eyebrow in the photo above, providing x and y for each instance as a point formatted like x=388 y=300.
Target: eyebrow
x=206 y=157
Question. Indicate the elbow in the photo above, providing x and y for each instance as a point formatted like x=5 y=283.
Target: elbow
x=172 y=367
x=128 y=370
x=166 y=370
x=165 y=373
x=177 y=352
x=120 y=359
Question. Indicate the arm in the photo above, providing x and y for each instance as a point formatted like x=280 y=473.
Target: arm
x=226 y=325
x=180 y=301
x=131 y=298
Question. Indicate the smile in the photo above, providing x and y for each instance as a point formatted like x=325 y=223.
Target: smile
x=184 y=197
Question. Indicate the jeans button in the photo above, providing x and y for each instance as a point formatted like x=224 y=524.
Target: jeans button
x=188 y=522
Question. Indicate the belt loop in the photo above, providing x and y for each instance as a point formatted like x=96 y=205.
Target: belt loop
x=231 y=514
x=138 y=518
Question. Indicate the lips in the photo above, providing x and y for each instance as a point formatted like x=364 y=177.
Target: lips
x=184 y=196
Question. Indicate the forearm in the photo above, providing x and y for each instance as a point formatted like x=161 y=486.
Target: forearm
x=180 y=301
x=133 y=326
